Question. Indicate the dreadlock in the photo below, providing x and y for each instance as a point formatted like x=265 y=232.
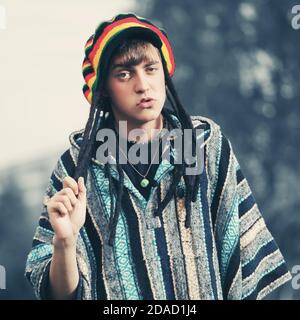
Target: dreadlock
x=89 y=136
x=191 y=181
x=96 y=121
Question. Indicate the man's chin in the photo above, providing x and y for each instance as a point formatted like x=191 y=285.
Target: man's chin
x=147 y=115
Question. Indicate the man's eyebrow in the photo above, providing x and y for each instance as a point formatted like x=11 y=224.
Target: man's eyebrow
x=150 y=63
x=130 y=64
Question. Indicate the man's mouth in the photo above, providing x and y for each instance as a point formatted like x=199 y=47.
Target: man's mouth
x=146 y=103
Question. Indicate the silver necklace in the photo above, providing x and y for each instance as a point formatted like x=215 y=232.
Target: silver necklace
x=144 y=182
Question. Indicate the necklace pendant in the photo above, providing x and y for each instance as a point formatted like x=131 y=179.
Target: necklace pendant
x=144 y=183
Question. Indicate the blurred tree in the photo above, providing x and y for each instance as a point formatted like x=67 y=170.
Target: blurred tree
x=14 y=234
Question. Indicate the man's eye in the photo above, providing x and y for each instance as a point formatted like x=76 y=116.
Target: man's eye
x=122 y=75
x=151 y=69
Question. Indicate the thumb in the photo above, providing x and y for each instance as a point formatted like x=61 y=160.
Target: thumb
x=81 y=189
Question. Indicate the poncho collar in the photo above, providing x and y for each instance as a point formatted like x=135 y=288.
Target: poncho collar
x=165 y=167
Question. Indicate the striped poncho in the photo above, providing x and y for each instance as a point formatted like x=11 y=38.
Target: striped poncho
x=228 y=253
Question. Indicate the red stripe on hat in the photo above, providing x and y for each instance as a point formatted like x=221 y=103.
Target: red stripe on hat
x=132 y=19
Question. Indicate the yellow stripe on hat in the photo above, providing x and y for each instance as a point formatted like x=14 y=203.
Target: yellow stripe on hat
x=109 y=35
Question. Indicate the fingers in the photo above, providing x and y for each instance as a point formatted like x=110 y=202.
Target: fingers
x=65 y=200
x=60 y=204
x=82 y=189
x=70 y=194
x=59 y=207
x=69 y=182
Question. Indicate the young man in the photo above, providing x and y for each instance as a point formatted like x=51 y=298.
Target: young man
x=111 y=230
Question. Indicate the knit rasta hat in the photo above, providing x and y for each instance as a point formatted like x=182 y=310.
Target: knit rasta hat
x=100 y=46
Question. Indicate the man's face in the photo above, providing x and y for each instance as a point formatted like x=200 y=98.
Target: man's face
x=131 y=81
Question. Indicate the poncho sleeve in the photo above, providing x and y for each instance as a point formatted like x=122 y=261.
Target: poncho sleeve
x=40 y=256
x=251 y=264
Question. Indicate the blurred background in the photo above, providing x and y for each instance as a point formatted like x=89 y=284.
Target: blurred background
x=237 y=62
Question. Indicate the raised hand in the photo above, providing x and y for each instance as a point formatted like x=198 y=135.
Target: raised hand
x=67 y=210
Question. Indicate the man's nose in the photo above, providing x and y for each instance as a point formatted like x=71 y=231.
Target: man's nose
x=141 y=82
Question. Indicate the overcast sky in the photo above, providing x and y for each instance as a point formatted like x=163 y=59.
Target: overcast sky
x=41 y=52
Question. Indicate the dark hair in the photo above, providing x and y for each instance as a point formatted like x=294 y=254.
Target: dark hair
x=100 y=105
